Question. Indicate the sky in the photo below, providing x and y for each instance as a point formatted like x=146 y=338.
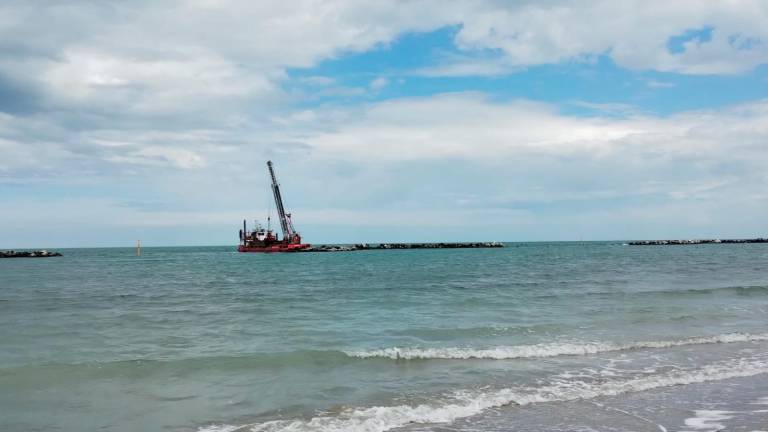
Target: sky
x=413 y=120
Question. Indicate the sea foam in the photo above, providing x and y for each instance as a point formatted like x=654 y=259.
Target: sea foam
x=468 y=403
x=708 y=420
x=544 y=349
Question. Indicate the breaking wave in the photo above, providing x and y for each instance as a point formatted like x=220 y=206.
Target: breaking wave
x=544 y=349
x=468 y=403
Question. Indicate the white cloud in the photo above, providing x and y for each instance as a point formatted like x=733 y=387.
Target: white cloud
x=320 y=81
x=471 y=126
x=459 y=126
x=216 y=59
x=463 y=67
x=161 y=156
x=190 y=97
x=378 y=83
x=432 y=163
x=162 y=55
x=143 y=58
x=634 y=34
x=658 y=84
x=608 y=108
x=150 y=85
x=523 y=153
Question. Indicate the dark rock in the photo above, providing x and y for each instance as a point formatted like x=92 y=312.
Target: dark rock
x=695 y=242
x=28 y=254
x=392 y=246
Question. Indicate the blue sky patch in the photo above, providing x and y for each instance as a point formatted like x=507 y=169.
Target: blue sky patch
x=676 y=44
x=399 y=66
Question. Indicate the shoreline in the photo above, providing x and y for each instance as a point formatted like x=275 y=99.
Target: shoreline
x=734 y=404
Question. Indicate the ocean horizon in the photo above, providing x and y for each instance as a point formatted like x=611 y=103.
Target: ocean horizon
x=513 y=243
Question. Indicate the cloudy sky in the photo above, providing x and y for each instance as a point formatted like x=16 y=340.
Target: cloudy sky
x=419 y=120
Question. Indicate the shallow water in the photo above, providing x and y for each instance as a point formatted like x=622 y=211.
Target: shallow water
x=206 y=338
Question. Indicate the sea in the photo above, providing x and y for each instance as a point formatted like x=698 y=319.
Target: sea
x=566 y=336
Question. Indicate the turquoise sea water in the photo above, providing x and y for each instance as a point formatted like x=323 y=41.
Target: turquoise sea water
x=188 y=339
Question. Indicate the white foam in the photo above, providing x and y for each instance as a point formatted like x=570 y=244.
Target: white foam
x=221 y=428
x=468 y=403
x=708 y=420
x=544 y=350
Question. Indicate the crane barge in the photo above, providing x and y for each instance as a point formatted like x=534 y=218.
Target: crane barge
x=260 y=239
x=265 y=240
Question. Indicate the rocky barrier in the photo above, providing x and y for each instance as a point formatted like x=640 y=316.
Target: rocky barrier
x=28 y=254
x=391 y=246
x=695 y=242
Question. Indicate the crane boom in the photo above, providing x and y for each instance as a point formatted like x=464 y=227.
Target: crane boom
x=285 y=223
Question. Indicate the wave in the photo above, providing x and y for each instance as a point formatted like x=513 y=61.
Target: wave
x=739 y=290
x=301 y=358
x=109 y=367
x=469 y=403
x=470 y=332
x=544 y=349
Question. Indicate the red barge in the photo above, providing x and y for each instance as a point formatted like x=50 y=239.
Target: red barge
x=265 y=240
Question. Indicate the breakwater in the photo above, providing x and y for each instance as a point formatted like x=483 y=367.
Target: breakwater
x=393 y=246
x=28 y=254
x=695 y=242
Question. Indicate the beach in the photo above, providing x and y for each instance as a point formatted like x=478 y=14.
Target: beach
x=565 y=336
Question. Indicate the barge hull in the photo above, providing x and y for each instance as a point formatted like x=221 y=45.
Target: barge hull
x=274 y=248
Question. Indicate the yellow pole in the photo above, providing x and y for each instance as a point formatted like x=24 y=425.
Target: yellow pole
x=138 y=247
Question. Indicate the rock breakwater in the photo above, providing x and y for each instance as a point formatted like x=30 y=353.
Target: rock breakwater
x=28 y=254
x=391 y=246
x=695 y=242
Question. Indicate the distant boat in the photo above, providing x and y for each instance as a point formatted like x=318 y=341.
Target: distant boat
x=265 y=240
